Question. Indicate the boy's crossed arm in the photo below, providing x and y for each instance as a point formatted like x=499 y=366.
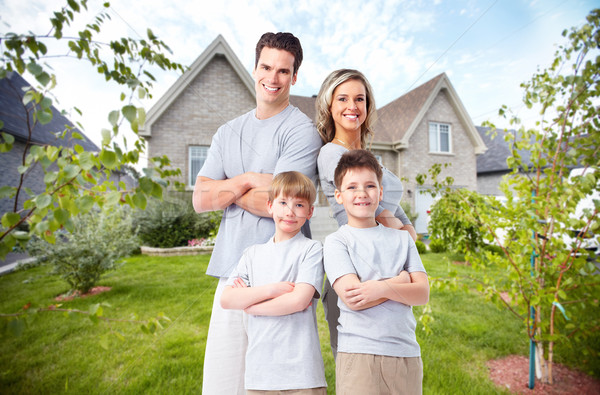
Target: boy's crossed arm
x=273 y=299
x=410 y=289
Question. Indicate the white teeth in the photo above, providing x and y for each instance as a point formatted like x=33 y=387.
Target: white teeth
x=351 y=116
x=270 y=89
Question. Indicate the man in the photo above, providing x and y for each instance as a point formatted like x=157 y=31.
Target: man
x=244 y=155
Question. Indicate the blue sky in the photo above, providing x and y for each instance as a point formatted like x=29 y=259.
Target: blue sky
x=486 y=47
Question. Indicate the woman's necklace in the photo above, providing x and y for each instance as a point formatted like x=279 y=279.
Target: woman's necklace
x=343 y=143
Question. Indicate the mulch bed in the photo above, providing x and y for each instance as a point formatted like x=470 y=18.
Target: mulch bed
x=512 y=373
x=77 y=294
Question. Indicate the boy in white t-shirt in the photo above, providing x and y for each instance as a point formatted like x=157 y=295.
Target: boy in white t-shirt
x=378 y=275
x=277 y=284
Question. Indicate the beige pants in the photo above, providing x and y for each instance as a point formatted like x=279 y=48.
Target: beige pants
x=306 y=391
x=367 y=374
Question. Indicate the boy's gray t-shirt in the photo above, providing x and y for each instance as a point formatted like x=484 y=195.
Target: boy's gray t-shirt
x=329 y=156
x=284 y=142
x=283 y=351
x=373 y=254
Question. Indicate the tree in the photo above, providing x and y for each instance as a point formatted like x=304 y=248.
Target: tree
x=77 y=180
x=545 y=275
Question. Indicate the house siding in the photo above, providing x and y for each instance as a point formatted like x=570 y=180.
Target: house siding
x=417 y=158
x=214 y=97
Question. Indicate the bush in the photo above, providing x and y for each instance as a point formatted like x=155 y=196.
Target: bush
x=172 y=223
x=437 y=245
x=408 y=210
x=452 y=221
x=98 y=240
x=421 y=247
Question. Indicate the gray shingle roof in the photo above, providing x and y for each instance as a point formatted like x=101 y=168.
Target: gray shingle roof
x=14 y=115
x=494 y=159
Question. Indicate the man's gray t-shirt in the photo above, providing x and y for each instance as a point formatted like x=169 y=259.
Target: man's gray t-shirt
x=284 y=142
x=374 y=254
x=284 y=351
x=329 y=156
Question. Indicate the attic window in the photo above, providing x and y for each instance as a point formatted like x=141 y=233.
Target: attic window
x=439 y=137
x=197 y=156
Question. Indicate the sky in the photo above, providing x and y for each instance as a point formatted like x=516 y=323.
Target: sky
x=486 y=47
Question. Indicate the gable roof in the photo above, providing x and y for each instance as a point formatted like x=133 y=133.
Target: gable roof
x=398 y=120
x=305 y=104
x=218 y=47
x=14 y=115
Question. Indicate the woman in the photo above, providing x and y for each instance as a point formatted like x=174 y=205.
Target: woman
x=345 y=116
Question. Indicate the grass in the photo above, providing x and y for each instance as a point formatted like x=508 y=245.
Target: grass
x=60 y=354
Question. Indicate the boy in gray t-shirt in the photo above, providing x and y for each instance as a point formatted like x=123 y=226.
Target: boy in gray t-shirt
x=277 y=284
x=378 y=275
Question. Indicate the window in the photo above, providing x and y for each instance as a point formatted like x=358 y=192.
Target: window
x=197 y=156
x=439 y=137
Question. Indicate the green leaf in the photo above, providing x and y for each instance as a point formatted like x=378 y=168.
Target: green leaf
x=7 y=191
x=35 y=69
x=50 y=177
x=44 y=116
x=106 y=136
x=86 y=160
x=139 y=200
x=61 y=215
x=43 y=200
x=108 y=159
x=112 y=198
x=146 y=185
x=85 y=203
x=10 y=219
x=113 y=117
x=43 y=78
x=129 y=112
x=8 y=138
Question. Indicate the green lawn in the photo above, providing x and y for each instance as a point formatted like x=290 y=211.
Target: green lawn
x=61 y=354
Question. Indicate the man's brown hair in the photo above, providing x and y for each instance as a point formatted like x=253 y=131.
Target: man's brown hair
x=285 y=41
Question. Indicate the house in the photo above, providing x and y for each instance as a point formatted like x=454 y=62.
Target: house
x=16 y=118
x=425 y=126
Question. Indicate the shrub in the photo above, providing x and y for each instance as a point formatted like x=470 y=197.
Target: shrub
x=452 y=221
x=172 y=223
x=408 y=210
x=97 y=241
x=421 y=247
x=437 y=245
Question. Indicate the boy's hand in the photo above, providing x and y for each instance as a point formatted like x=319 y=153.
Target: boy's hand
x=361 y=294
x=239 y=283
x=280 y=288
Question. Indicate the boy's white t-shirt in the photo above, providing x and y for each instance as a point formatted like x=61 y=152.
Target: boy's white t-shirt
x=373 y=254
x=283 y=351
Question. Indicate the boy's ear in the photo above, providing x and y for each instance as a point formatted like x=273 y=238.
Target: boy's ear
x=270 y=207
x=310 y=213
x=338 y=196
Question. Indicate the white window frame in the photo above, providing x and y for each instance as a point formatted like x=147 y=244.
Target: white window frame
x=195 y=152
x=435 y=141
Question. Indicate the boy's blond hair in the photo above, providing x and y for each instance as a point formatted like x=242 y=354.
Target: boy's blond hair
x=293 y=184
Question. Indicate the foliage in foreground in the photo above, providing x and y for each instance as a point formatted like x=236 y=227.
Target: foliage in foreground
x=546 y=277
x=77 y=180
x=99 y=240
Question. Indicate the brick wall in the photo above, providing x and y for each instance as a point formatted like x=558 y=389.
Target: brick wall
x=417 y=158
x=214 y=97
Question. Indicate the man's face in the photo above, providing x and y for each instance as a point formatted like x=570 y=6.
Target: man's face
x=360 y=194
x=273 y=78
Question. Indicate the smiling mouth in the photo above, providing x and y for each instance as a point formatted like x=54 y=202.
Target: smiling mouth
x=364 y=204
x=269 y=89
x=352 y=117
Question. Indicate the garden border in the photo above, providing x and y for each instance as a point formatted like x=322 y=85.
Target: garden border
x=176 y=251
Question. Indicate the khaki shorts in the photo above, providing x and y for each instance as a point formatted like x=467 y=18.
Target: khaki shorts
x=306 y=391
x=367 y=374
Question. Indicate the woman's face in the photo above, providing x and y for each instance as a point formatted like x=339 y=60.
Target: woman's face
x=349 y=106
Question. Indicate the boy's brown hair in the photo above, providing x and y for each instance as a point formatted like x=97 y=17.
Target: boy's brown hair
x=356 y=159
x=293 y=184
x=285 y=41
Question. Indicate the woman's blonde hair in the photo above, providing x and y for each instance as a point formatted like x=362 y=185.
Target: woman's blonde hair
x=325 y=124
